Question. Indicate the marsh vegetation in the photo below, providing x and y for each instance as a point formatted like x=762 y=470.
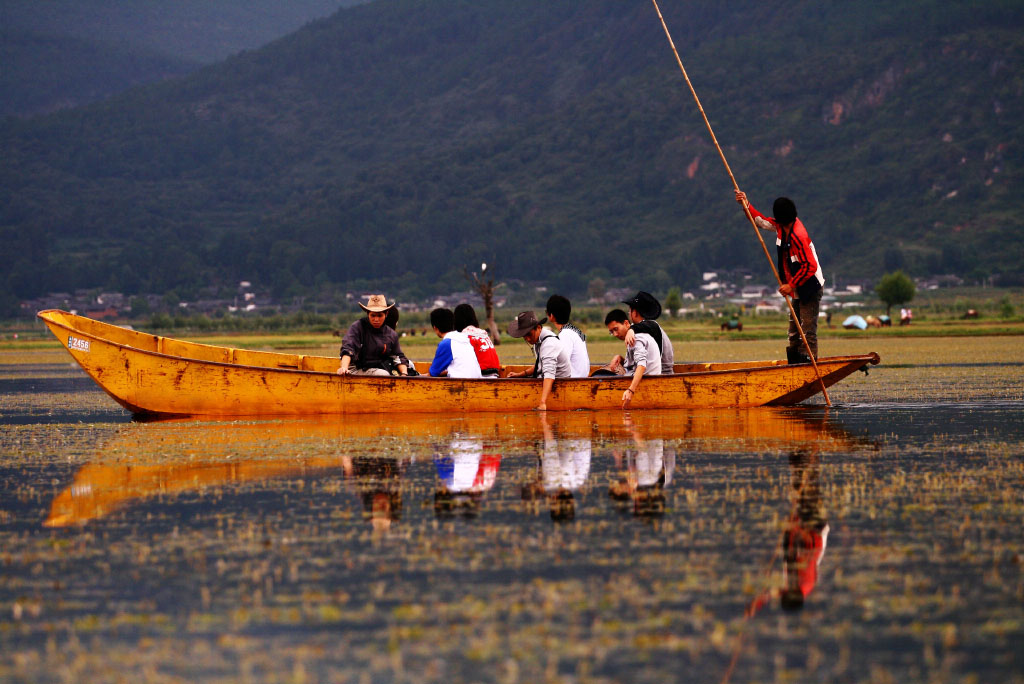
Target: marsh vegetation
x=574 y=547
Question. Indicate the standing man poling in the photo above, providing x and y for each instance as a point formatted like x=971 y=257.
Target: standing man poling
x=799 y=271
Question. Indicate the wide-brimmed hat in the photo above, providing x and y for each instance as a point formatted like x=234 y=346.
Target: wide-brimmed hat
x=645 y=304
x=522 y=324
x=376 y=304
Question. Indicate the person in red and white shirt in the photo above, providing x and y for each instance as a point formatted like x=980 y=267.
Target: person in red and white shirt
x=486 y=354
x=799 y=270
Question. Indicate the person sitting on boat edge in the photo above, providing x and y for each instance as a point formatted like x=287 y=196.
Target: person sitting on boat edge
x=552 y=355
x=486 y=353
x=643 y=309
x=558 y=310
x=799 y=270
x=454 y=356
x=643 y=358
x=370 y=347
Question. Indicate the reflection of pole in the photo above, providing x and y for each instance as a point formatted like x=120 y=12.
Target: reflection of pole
x=746 y=209
x=486 y=290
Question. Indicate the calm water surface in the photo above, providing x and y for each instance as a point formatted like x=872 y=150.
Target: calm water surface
x=877 y=541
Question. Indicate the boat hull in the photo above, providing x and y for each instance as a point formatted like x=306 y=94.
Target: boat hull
x=152 y=375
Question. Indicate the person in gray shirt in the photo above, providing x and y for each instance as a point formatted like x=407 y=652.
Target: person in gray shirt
x=552 y=355
x=643 y=358
x=643 y=309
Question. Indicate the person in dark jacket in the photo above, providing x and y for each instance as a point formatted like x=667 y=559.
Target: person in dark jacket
x=799 y=271
x=370 y=347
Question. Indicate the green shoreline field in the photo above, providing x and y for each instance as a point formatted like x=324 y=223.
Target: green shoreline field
x=998 y=341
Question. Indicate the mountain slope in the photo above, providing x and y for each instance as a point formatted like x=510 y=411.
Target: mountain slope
x=64 y=53
x=395 y=142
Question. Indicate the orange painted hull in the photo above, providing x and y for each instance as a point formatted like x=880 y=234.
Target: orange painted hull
x=152 y=375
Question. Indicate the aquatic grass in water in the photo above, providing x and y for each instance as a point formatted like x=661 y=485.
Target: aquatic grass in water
x=579 y=547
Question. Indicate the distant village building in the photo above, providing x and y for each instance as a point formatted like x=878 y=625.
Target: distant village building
x=765 y=307
x=102 y=314
x=755 y=291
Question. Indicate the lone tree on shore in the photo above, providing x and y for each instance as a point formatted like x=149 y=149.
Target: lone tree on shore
x=894 y=289
x=485 y=286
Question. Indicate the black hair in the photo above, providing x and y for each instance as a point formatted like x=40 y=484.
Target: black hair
x=391 y=320
x=562 y=506
x=791 y=600
x=559 y=307
x=616 y=315
x=443 y=320
x=784 y=210
x=465 y=315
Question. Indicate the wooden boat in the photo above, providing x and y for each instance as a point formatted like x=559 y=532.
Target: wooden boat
x=164 y=459
x=152 y=375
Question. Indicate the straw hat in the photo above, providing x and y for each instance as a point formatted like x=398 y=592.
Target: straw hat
x=376 y=304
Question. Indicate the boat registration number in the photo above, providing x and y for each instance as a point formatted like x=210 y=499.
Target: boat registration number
x=75 y=343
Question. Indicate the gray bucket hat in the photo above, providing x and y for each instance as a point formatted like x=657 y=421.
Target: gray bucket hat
x=523 y=323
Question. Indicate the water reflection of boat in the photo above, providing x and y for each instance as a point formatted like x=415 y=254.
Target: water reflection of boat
x=153 y=375
x=166 y=457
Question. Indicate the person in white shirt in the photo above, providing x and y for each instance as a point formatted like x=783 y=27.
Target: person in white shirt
x=454 y=356
x=558 y=310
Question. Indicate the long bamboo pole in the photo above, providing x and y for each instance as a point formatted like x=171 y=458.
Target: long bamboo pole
x=746 y=208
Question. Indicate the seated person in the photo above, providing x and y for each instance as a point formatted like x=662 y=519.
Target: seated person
x=486 y=354
x=643 y=358
x=454 y=356
x=558 y=310
x=552 y=356
x=370 y=347
x=643 y=309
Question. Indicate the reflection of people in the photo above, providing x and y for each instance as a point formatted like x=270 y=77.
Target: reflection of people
x=486 y=354
x=645 y=471
x=564 y=468
x=552 y=356
x=806 y=531
x=370 y=347
x=466 y=473
x=558 y=310
x=642 y=358
x=804 y=537
x=454 y=356
x=799 y=271
x=378 y=480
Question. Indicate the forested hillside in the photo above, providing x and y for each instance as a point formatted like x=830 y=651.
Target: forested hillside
x=64 y=53
x=396 y=141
